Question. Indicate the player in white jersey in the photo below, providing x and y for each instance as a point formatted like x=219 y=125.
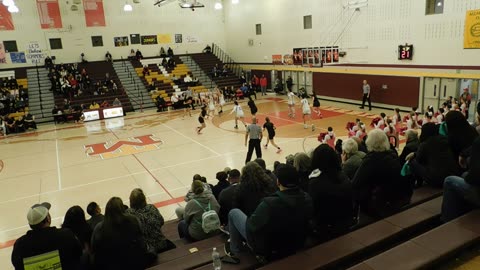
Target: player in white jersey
x=291 y=104
x=239 y=115
x=306 y=112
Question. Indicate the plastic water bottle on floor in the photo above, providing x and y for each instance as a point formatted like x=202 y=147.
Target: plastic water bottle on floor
x=217 y=262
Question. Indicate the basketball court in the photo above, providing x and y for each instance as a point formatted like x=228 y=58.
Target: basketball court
x=73 y=164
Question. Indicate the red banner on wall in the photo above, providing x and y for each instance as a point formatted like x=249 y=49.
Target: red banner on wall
x=6 y=22
x=49 y=13
x=94 y=14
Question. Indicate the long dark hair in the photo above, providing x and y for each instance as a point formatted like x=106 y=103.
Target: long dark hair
x=428 y=130
x=76 y=222
x=326 y=160
x=114 y=212
x=254 y=178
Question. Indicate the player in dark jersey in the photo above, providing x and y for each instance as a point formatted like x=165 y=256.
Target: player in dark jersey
x=270 y=127
x=201 y=120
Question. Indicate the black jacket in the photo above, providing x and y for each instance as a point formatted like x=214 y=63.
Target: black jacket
x=248 y=200
x=221 y=185
x=436 y=157
x=40 y=241
x=119 y=246
x=378 y=185
x=225 y=199
x=410 y=147
x=333 y=202
x=279 y=225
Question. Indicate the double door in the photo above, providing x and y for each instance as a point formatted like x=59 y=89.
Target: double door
x=301 y=79
x=437 y=90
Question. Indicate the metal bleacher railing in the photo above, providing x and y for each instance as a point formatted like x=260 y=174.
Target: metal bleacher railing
x=140 y=95
x=226 y=59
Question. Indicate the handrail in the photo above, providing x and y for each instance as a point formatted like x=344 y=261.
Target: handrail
x=39 y=90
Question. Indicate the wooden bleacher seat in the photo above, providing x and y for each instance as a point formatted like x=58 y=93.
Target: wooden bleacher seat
x=353 y=246
x=337 y=251
x=426 y=250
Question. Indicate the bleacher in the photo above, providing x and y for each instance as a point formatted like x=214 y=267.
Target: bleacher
x=162 y=77
x=207 y=61
x=96 y=71
x=20 y=76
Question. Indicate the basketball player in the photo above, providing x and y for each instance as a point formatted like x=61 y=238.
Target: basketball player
x=270 y=127
x=306 y=112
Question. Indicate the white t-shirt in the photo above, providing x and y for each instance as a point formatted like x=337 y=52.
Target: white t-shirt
x=238 y=111
x=291 y=100
x=305 y=106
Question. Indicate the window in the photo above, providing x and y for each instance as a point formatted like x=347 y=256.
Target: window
x=56 y=44
x=97 y=41
x=258 y=29
x=307 y=22
x=10 y=46
x=434 y=7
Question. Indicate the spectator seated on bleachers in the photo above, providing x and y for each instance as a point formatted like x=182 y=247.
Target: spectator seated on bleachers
x=29 y=121
x=330 y=186
x=161 y=103
x=433 y=161
x=58 y=115
x=411 y=145
x=117 y=242
x=104 y=104
x=42 y=239
x=221 y=185
x=191 y=227
x=138 y=55
x=131 y=56
x=379 y=188
x=145 y=71
x=207 y=49
x=48 y=63
x=225 y=71
x=108 y=57
x=74 y=220
x=10 y=125
x=171 y=63
x=461 y=194
x=164 y=63
x=94 y=105
x=151 y=221
x=116 y=103
x=175 y=101
x=170 y=52
x=162 y=53
x=215 y=71
x=279 y=225
x=93 y=209
x=225 y=199
x=179 y=211
x=188 y=80
x=351 y=157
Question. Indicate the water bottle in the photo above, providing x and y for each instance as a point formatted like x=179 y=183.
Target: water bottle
x=217 y=262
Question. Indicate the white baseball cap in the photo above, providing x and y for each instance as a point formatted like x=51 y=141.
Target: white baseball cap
x=37 y=213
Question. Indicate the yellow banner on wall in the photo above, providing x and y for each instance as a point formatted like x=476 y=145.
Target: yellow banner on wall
x=164 y=38
x=472 y=30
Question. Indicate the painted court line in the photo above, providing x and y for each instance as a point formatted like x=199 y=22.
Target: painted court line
x=185 y=136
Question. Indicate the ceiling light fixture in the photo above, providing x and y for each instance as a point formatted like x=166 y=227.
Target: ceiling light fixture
x=127 y=7
x=8 y=3
x=235 y=2
x=439 y=4
x=218 y=6
x=13 y=9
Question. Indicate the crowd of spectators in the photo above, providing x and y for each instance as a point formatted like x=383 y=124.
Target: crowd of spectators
x=316 y=196
x=13 y=97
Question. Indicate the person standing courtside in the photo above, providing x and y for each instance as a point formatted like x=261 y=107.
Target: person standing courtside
x=255 y=133
x=366 y=95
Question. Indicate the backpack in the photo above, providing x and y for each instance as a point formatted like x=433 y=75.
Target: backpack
x=210 y=220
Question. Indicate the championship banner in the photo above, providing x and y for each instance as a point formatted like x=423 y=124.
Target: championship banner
x=277 y=59
x=49 y=13
x=6 y=22
x=472 y=30
x=94 y=14
x=165 y=39
x=149 y=40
